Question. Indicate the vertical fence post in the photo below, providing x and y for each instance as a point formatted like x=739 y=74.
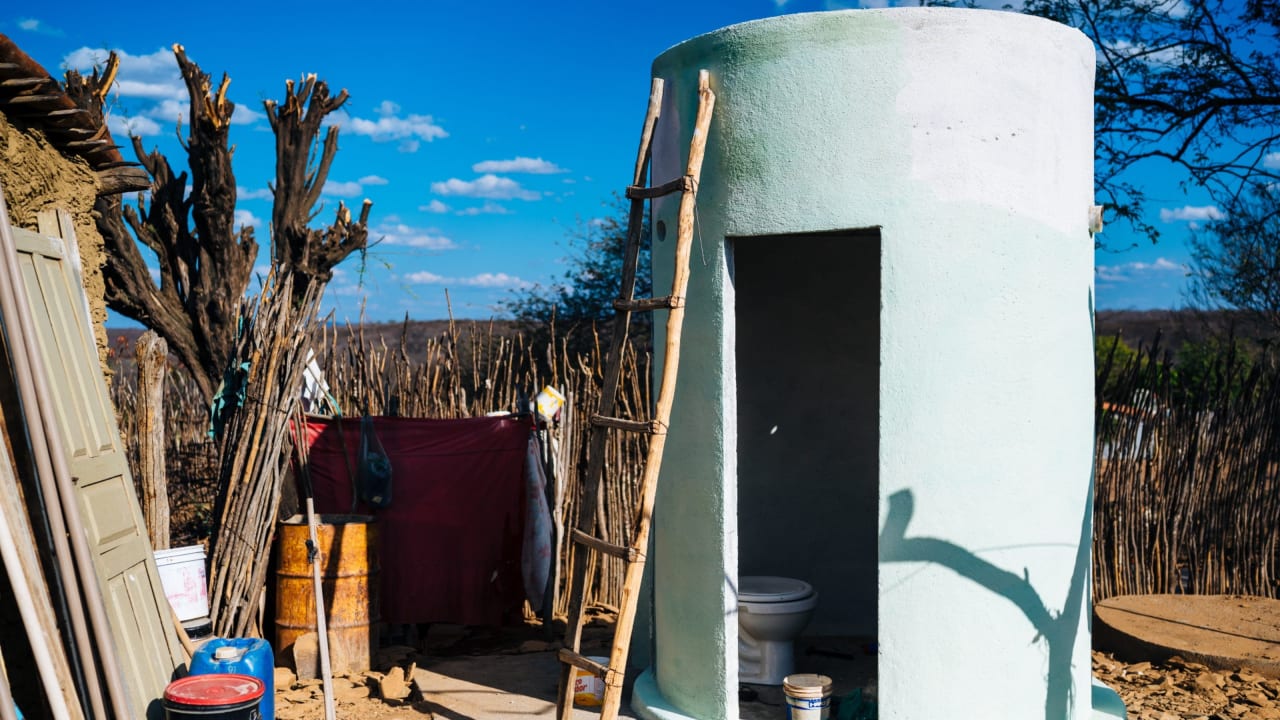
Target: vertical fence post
x=152 y=354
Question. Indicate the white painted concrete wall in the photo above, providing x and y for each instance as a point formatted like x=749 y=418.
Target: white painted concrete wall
x=966 y=136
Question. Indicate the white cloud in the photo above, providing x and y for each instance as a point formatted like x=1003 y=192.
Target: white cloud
x=244 y=217
x=244 y=193
x=150 y=90
x=342 y=189
x=351 y=188
x=346 y=290
x=485 y=186
x=489 y=208
x=411 y=129
x=408 y=236
x=424 y=278
x=122 y=126
x=152 y=78
x=1271 y=160
x=535 y=166
x=1192 y=213
x=1126 y=50
x=484 y=280
x=1173 y=8
x=1138 y=271
x=244 y=115
x=435 y=206
x=35 y=25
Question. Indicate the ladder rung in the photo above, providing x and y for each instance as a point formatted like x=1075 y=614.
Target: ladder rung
x=680 y=184
x=652 y=427
x=610 y=676
x=619 y=551
x=643 y=304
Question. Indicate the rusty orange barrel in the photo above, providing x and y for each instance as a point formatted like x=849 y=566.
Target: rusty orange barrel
x=348 y=547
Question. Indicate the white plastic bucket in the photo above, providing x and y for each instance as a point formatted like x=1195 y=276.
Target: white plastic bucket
x=588 y=689
x=182 y=576
x=808 y=696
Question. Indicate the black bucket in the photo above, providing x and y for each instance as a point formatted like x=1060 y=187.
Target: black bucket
x=219 y=696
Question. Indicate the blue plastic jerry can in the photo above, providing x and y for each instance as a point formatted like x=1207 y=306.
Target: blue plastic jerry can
x=244 y=656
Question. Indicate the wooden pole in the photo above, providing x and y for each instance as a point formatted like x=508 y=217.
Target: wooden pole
x=152 y=355
x=666 y=399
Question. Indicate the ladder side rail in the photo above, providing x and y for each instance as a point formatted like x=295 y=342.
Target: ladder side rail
x=666 y=398
x=586 y=514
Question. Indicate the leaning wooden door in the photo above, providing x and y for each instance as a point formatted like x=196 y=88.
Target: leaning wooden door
x=141 y=623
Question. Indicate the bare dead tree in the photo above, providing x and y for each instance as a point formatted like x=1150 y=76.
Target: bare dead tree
x=205 y=262
x=1192 y=83
x=310 y=253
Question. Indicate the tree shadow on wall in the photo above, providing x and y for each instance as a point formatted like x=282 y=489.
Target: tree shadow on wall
x=1058 y=630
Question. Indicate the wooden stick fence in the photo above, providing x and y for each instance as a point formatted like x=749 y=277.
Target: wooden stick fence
x=468 y=370
x=1187 y=494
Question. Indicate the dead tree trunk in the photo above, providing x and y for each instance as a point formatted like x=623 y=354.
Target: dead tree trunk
x=310 y=254
x=204 y=263
x=152 y=354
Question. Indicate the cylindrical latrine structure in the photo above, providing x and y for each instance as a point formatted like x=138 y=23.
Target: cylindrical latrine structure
x=887 y=383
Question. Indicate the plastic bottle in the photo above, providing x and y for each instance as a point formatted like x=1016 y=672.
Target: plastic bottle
x=243 y=656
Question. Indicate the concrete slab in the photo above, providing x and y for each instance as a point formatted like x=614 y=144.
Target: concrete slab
x=490 y=687
x=1220 y=631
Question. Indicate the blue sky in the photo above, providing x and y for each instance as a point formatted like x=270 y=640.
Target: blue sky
x=484 y=133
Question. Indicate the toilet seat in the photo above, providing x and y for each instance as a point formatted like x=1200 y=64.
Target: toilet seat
x=771 y=589
x=772 y=612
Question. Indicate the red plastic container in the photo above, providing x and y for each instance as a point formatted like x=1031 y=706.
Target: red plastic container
x=220 y=696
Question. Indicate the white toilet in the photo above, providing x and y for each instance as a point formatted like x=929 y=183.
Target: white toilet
x=771 y=613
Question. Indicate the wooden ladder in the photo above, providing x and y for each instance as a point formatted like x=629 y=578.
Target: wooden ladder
x=584 y=530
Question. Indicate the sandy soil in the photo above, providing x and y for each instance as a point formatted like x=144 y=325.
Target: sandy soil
x=477 y=674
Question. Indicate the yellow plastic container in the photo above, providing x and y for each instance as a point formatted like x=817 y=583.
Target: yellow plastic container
x=588 y=689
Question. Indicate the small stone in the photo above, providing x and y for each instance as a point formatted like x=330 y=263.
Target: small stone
x=393 y=685
x=284 y=678
x=306 y=656
x=533 y=646
x=297 y=696
x=349 y=692
x=1208 y=681
x=1257 y=698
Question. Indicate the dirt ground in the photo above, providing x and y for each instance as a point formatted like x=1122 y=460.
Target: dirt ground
x=454 y=673
x=1176 y=689
x=460 y=673
x=1211 y=657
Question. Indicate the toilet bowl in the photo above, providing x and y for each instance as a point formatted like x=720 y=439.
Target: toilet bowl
x=771 y=613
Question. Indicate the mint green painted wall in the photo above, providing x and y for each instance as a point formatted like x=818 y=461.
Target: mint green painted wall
x=966 y=136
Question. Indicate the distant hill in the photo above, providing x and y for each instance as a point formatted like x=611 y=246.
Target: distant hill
x=1137 y=327
x=416 y=334
x=1175 y=327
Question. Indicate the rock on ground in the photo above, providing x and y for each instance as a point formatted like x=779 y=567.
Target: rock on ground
x=1178 y=689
